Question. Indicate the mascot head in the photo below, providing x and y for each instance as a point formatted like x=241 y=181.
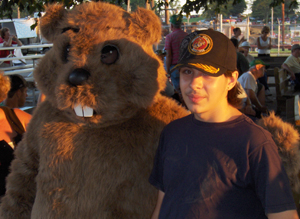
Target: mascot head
x=102 y=66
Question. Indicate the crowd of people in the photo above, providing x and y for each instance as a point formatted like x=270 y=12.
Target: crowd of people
x=224 y=88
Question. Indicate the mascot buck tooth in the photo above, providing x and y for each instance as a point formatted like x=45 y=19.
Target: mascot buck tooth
x=90 y=145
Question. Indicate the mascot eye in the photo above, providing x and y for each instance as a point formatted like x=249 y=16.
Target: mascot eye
x=66 y=53
x=109 y=54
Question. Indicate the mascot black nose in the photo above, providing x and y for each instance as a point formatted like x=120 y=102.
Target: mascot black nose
x=78 y=76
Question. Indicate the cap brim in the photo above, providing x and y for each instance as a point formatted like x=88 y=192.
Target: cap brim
x=209 y=70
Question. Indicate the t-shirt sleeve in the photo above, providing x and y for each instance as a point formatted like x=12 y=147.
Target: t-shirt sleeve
x=249 y=83
x=156 y=176
x=270 y=179
x=288 y=62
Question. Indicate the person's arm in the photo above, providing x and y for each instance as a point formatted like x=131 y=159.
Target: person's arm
x=8 y=43
x=270 y=43
x=253 y=98
x=287 y=68
x=291 y=214
x=158 y=205
x=168 y=60
x=248 y=110
x=17 y=40
x=242 y=40
x=23 y=117
x=259 y=46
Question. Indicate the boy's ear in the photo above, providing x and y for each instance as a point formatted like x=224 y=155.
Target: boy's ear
x=232 y=80
x=50 y=21
x=146 y=26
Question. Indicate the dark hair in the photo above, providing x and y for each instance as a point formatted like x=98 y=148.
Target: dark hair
x=3 y=31
x=177 y=26
x=232 y=96
x=236 y=29
x=16 y=82
x=235 y=42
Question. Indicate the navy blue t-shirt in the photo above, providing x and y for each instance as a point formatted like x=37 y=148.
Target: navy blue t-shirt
x=219 y=170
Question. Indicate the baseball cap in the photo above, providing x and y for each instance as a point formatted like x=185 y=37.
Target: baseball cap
x=209 y=51
x=257 y=62
x=176 y=19
x=245 y=44
x=296 y=46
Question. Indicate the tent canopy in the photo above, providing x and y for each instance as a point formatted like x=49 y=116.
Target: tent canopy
x=20 y=27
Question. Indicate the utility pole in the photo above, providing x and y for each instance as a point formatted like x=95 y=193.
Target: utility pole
x=272 y=17
x=283 y=20
x=128 y=5
x=167 y=15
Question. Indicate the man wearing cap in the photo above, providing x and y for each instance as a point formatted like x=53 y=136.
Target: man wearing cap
x=17 y=94
x=292 y=65
x=245 y=46
x=216 y=163
x=254 y=89
x=172 y=45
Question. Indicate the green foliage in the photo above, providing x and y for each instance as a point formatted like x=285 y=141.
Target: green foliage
x=262 y=9
x=226 y=10
x=134 y=4
x=31 y=6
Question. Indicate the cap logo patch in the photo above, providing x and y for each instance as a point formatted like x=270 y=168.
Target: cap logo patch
x=200 y=45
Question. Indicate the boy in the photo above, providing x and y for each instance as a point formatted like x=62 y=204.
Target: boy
x=216 y=163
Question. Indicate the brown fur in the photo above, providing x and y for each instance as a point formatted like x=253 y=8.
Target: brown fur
x=98 y=167
x=287 y=140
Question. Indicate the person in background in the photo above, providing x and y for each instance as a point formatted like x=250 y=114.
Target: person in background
x=244 y=49
x=254 y=89
x=13 y=125
x=8 y=41
x=236 y=34
x=242 y=62
x=216 y=162
x=292 y=66
x=172 y=45
x=264 y=43
x=17 y=94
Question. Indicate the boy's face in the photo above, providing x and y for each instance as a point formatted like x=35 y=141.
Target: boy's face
x=203 y=94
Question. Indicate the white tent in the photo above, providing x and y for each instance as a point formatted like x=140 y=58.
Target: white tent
x=20 y=27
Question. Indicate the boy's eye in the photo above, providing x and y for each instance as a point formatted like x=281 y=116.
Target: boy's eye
x=185 y=71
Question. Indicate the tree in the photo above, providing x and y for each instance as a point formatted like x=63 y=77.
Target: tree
x=6 y=8
x=226 y=10
x=261 y=9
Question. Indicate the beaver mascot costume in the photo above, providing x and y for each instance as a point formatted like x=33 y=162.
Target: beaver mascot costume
x=90 y=145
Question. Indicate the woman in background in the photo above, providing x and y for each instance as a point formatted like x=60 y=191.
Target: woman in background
x=13 y=125
x=264 y=47
x=264 y=42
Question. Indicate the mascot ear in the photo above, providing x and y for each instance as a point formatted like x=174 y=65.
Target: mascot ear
x=50 y=21
x=147 y=26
